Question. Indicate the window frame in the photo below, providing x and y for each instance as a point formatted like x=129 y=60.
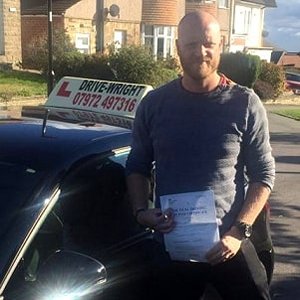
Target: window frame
x=164 y=33
x=246 y=18
x=81 y=47
x=223 y=3
x=117 y=43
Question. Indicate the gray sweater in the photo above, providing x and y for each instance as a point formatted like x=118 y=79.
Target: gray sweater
x=217 y=140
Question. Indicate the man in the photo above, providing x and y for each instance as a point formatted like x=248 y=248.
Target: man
x=204 y=133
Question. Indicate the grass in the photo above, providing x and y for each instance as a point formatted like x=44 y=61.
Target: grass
x=21 y=84
x=293 y=113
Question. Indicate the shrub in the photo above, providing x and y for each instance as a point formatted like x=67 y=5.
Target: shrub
x=69 y=64
x=242 y=68
x=264 y=90
x=171 y=63
x=82 y=65
x=162 y=76
x=274 y=75
x=137 y=64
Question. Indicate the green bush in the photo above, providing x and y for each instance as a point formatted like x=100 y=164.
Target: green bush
x=137 y=64
x=242 y=68
x=274 y=75
x=82 y=65
x=69 y=64
x=128 y=64
x=171 y=63
x=264 y=90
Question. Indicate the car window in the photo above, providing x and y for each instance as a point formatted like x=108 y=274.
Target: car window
x=95 y=207
x=17 y=183
x=91 y=215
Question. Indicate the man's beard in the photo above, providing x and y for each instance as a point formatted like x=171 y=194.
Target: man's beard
x=200 y=70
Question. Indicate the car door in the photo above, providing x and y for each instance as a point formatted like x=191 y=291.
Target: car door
x=92 y=218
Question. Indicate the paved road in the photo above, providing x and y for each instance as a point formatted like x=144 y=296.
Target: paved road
x=285 y=203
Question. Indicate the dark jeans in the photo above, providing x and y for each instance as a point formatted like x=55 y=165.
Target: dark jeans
x=243 y=277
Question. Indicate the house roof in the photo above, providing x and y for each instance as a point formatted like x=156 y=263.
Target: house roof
x=287 y=59
x=267 y=3
x=40 y=7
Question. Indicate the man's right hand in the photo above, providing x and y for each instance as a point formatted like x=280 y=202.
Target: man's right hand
x=157 y=220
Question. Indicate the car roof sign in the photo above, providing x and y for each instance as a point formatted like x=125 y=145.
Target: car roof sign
x=100 y=96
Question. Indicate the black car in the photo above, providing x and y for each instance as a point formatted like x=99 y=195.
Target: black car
x=66 y=226
x=64 y=206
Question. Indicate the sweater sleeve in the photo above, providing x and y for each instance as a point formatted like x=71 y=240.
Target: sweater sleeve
x=140 y=158
x=259 y=162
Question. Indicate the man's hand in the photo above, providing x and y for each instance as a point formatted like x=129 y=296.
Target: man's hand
x=226 y=248
x=156 y=219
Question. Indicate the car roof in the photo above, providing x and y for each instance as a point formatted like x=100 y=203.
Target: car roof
x=24 y=141
x=81 y=116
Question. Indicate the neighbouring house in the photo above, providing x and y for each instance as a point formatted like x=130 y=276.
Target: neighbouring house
x=220 y=9
x=247 y=27
x=224 y=16
x=93 y=25
x=10 y=33
x=286 y=59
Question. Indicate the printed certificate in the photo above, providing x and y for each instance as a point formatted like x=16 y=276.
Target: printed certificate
x=196 y=230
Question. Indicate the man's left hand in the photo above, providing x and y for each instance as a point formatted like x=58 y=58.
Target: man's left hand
x=226 y=248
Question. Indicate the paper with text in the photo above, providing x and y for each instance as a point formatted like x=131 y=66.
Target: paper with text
x=196 y=229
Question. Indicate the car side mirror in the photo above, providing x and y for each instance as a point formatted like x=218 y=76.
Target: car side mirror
x=70 y=275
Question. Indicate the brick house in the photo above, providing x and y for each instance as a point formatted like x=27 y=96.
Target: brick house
x=247 y=27
x=10 y=32
x=94 y=24
x=286 y=59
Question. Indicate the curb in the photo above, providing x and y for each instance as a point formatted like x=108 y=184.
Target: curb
x=16 y=103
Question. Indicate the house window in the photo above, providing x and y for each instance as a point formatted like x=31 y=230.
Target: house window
x=223 y=3
x=82 y=42
x=242 y=20
x=119 y=38
x=160 y=39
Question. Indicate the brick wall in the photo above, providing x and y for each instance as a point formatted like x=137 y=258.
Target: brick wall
x=75 y=26
x=10 y=32
x=133 y=36
x=34 y=28
x=158 y=12
x=290 y=60
x=208 y=7
x=224 y=20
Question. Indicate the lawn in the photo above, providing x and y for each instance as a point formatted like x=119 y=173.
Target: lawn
x=293 y=113
x=21 y=84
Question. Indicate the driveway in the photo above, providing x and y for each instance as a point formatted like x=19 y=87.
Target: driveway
x=285 y=204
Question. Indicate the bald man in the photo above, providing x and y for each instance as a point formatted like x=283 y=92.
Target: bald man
x=208 y=139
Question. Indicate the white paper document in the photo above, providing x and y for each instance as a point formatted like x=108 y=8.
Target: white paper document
x=196 y=229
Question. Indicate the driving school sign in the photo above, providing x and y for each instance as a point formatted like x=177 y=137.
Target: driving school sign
x=111 y=97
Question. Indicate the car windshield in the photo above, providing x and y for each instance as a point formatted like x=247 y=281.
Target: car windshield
x=16 y=185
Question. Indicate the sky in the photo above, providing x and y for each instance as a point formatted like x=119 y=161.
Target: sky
x=283 y=25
